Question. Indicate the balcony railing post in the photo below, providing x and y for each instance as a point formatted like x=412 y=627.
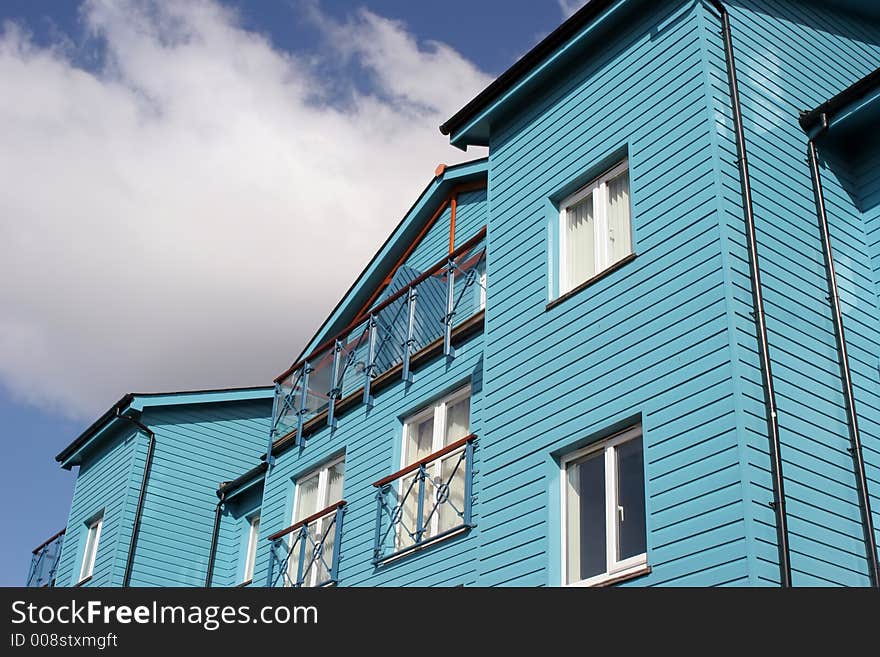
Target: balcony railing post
x=303 y=545
x=337 y=529
x=271 y=580
x=420 y=526
x=468 y=481
x=369 y=365
x=303 y=401
x=380 y=502
x=410 y=339
x=448 y=349
x=335 y=388
x=35 y=561
x=273 y=428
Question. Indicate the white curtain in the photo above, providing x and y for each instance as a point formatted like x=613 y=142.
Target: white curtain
x=457 y=420
x=334 y=483
x=580 y=248
x=419 y=443
x=253 y=535
x=619 y=232
x=306 y=498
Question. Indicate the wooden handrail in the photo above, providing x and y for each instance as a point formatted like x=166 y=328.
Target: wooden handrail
x=471 y=243
x=48 y=540
x=451 y=447
x=306 y=521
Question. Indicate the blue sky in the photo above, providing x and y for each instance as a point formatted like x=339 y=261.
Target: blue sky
x=160 y=160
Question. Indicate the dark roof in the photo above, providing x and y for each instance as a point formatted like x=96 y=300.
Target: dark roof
x=122 y=404
x=525 y=64
x=95 y=427
x=812 y=118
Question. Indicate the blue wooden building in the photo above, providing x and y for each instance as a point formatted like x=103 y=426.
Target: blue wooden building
x=639 y=344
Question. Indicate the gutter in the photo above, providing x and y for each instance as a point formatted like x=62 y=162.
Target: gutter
x=855 y=448
x=95 y=428
x=139 y=509
x=778 y=503
x=817 y=120
x=226 y=490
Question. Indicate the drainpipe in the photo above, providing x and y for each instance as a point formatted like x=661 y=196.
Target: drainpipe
x=843 y=359
x=778 y=503
x=215 y=534
x=139 y=510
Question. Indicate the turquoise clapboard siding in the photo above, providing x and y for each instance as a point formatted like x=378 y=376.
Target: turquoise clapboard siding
x=234 y=534
x=197 y=447
x=372 y=441
x=869 y=198
x=650 y=340
x=107 y=482
x=667 y=340
x=780 y=72
x=868 y=185
x=470 y=217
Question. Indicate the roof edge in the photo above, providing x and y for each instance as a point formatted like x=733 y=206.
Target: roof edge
x=130 y=399
x=524 y=64
x=442 y=173
x=811 y=120
x=226 y=488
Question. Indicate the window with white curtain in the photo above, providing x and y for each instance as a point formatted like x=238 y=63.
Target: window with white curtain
x=316 y=491
x=250 y=554
x=603 y=511
x=93 y=535
x=428 y=431
x=595 y=230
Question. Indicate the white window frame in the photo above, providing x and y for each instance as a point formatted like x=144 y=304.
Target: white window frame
x=250 y=555
x=323 y=472
x=599 y=190
x=90 y=551
x=435 y=469
x=614 y=568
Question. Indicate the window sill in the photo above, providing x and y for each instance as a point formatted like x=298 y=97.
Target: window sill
x=590 y=281
x=442 y=537
x=614 y=578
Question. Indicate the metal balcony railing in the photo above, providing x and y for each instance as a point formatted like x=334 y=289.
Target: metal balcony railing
x=305 y=554
x=424 y=502
x=417 y=310
x=44 y=562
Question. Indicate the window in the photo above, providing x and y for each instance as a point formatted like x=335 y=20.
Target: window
x=250 y=555
x=426 y=432
x=315 y=492
x=603 y=510
x=93 y=534
x=594 y=228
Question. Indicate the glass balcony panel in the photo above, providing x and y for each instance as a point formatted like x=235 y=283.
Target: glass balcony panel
x=320 y=383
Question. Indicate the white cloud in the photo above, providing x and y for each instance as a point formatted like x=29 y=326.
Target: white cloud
x=569 y=7
x=186 y=216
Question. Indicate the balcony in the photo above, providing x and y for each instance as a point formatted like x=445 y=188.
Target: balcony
x=418 y=311
x=304 y=554
x=44 y=562
x=425 y=502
